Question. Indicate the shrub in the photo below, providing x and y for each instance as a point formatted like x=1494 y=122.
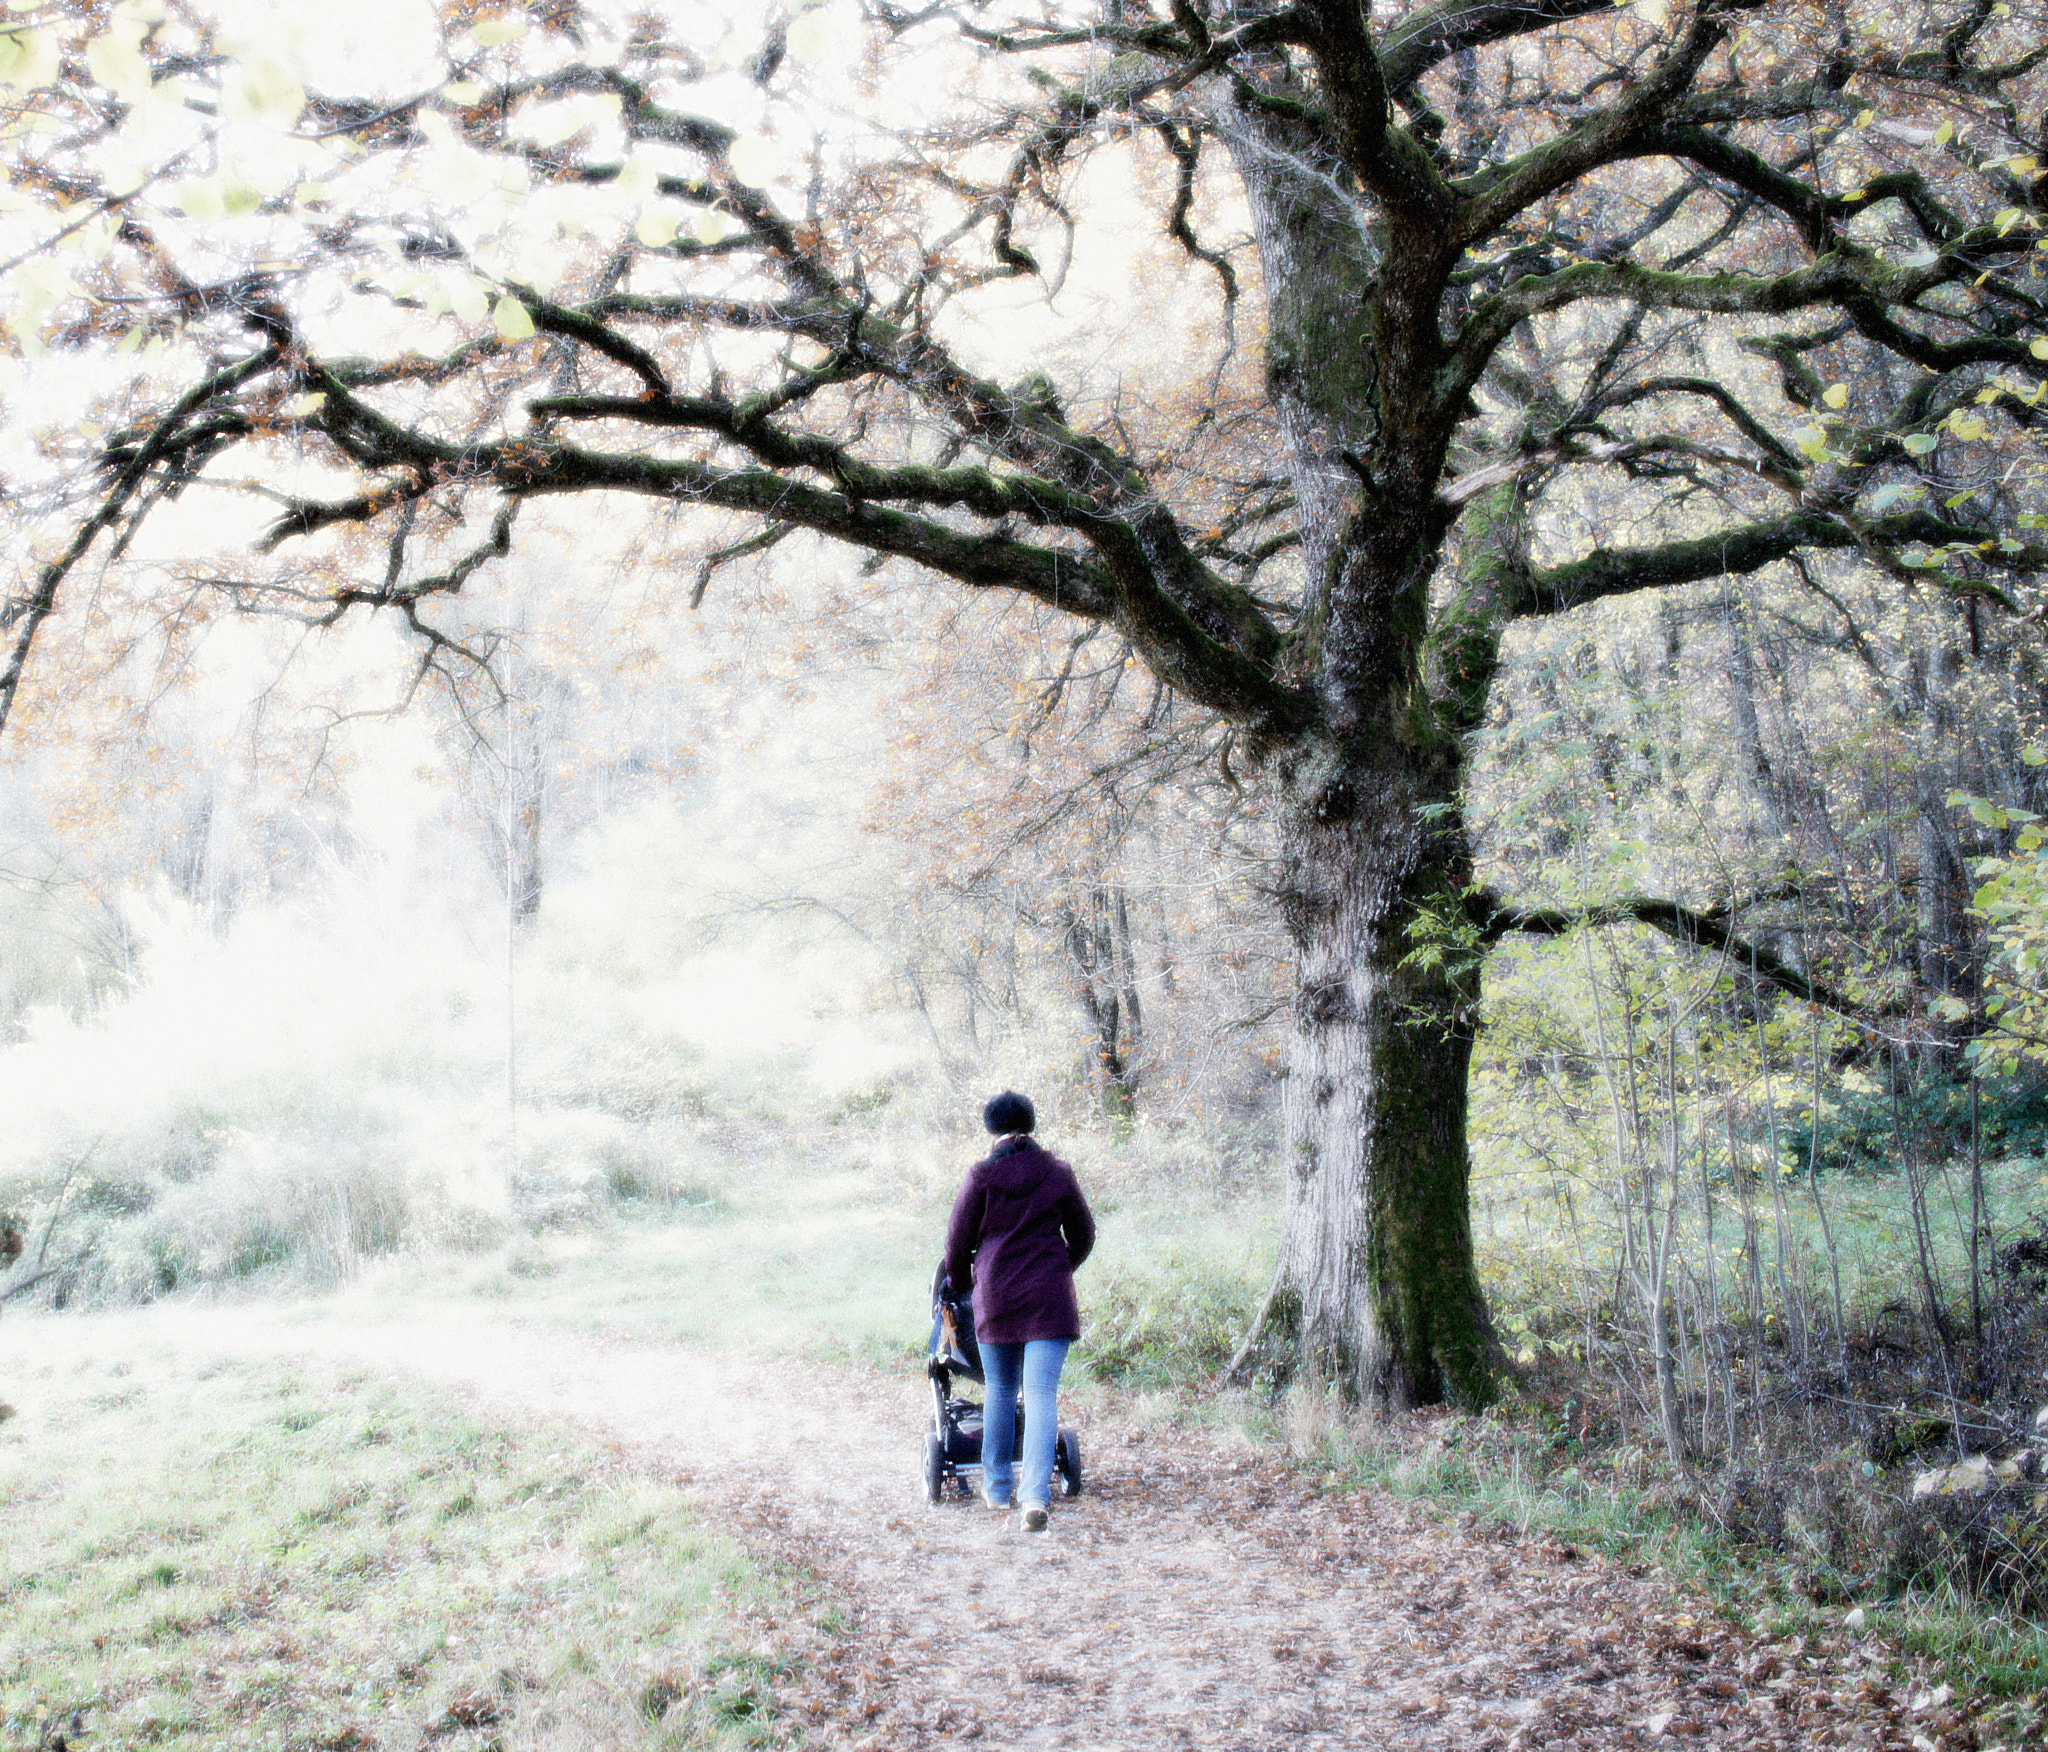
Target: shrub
x=1993 y=1544
x=1173 y=1328
x=1859 y=1135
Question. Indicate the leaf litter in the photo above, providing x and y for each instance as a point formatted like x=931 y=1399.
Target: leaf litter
x=1196 y=1596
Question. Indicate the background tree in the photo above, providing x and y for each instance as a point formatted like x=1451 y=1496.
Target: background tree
x=1051 y=797
x=1782 y=258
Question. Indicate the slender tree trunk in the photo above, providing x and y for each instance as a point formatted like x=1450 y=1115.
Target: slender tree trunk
x=1976 y=1225
x=1754 y=762
x=1661 y=1317
x=1820 y=1211
x=1106 y=989
x=1943 y=889
x=1711 y=1322
x=1127 y=985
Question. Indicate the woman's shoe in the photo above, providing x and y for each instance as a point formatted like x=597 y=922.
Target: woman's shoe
x=1034 y=1518
x=1001 y=1505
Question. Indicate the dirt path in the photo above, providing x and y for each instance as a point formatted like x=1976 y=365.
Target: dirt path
x=1193 y=1597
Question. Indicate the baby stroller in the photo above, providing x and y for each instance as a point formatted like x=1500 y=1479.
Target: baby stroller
x=952 y=1446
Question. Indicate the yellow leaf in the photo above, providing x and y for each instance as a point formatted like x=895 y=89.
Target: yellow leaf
x=199 y=198
x=637 y=178
x=514 y=321
x=493 y=31
x=1836 y=395
x=810 y=37
x=470 y=300
x=40 y=285
x=302 y=405
x=263 y=91
x=1865 y=117
x=115 y=61
x=28 y=58
x=1945 y=133
x=753 y=159
x=656 y=229
x=549 y=124
x=94 y=241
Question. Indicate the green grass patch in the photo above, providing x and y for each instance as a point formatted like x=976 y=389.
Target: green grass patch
x=834 y=1264
x=245 y=1555
x=829 y=1266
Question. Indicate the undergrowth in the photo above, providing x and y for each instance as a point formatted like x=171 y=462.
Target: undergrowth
x=819 y=1244
x=1518 y=1472
x=1814 y=1522
x=1175 y=1321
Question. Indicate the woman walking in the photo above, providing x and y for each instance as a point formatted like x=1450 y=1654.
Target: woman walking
x=1020 y=1228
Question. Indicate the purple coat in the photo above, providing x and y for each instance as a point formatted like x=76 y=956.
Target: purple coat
x=1020 y=1226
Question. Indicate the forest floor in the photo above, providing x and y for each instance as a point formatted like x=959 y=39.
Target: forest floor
x=1198 y=1594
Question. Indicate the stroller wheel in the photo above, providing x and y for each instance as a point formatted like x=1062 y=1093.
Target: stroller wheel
x=1067 y=1461
x=934 y=1467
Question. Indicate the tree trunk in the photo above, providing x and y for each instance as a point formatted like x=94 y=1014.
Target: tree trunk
x=1377 y=1242
x=1760 y=778
x=1105 y=987
x=1942 y=892
x=1376 y=1250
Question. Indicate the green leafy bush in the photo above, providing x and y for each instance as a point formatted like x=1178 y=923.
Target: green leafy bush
x=1173 y=1326
x=1859 y=1134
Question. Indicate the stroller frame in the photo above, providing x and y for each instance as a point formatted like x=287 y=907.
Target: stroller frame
x=952 y=1446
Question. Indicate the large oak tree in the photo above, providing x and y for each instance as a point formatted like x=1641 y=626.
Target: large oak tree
x=1765 y=273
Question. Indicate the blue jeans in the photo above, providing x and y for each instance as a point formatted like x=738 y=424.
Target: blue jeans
x=1036 y=1366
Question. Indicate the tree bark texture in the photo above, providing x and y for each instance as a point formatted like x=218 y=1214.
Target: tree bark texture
x=1377 y=1244
x=1941 y=885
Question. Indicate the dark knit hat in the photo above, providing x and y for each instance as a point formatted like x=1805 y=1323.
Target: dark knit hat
x=1009 y=1112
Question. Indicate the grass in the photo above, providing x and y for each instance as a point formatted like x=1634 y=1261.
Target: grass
x=1171 y=1313
x=352 y=1556
x=242 y=1555
x=1846 y=1536
x=1535 y=1272
x=828 y=1265
x=248 y=1555
x=827 y=1255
